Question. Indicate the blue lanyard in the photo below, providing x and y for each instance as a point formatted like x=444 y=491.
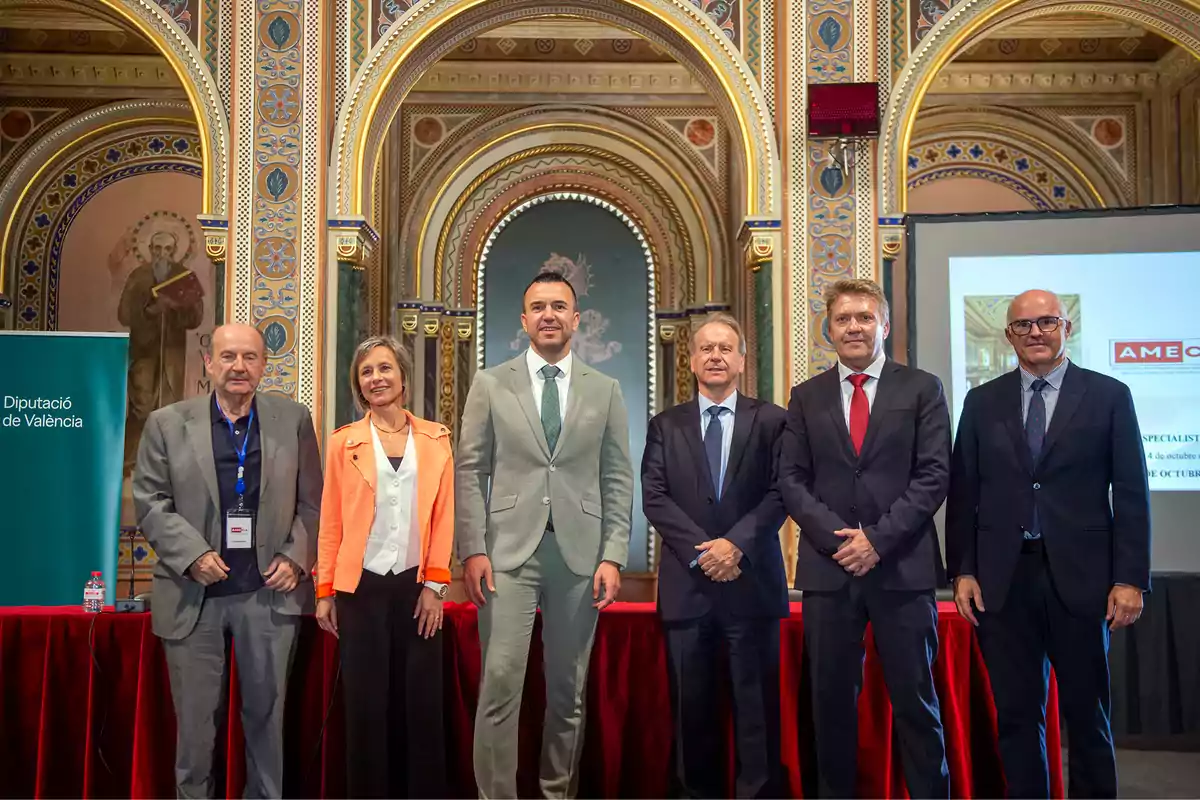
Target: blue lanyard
x=240 y=487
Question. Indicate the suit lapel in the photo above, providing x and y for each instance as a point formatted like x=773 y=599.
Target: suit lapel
x=1013 y=411
x=518 y=383
x=199 y=429
x=743 y=423
x=1070 y=394
x=691 y=434
x=268 y=440
x=886 y=392
x=580 y=382
x=837 y=414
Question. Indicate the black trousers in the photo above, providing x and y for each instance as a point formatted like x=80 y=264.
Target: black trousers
x=1020 y=641
x=693 y=650
x=905 y=627
x=392 y=687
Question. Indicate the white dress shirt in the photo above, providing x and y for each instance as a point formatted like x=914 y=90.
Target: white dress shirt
x=870 y=386
x=535 y=363
x=393 y=545
x=726 y=427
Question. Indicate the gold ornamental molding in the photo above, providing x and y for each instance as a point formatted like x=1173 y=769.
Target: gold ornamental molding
x=418 y=39
x=32 y=72
x=1176 y=20
x=1059 y=78
x=508 y=78
x=181 y=54
x=149 y=20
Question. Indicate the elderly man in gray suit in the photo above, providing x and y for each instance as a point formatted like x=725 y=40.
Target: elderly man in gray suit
x=227 y=489
x=544 y=494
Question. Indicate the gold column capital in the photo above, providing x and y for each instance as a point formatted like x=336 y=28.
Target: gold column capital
x=759 y=240
x=891 y=236
x=216 y=236
x=431 y=319
x=463 y=320
x=408 y=313
x=353 y=239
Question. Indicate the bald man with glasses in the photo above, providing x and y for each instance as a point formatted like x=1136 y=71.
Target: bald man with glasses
x=1044 y=560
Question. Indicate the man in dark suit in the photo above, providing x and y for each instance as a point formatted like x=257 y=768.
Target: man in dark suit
x=709 y=488
x=865 y=465
x=1032 y=532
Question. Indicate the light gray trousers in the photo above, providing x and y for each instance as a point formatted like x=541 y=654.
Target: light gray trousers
x=505 y=630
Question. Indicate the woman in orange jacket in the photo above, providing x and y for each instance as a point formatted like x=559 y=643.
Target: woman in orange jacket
x=383 y=566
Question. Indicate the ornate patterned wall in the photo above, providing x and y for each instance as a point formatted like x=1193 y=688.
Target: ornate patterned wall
x=279 y=287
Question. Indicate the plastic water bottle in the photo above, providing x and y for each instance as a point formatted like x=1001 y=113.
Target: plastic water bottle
x=93 y=594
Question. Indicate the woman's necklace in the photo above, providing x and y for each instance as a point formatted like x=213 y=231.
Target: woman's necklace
x=382 y=429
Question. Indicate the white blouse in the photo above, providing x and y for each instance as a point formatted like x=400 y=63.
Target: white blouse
x=394 y=545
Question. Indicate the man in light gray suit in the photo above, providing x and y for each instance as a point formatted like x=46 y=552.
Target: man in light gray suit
x=544 y=494
x=227 y=489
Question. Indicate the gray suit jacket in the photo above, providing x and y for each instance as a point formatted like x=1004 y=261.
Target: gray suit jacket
x=507 y=481
x=179 y=509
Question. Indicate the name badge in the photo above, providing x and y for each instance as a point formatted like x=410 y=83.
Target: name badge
x=239 y=530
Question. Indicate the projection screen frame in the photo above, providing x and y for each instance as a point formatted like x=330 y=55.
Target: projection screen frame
x=1167 y=515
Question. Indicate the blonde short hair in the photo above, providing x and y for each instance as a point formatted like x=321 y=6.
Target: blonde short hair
x=398 y=351
x=860 y=287
x=719 y=318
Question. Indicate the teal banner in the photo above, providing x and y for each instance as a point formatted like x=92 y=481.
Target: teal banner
x=62 y=435
x=607 y=266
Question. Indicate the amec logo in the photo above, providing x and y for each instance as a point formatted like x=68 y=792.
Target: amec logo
x=1175 y=351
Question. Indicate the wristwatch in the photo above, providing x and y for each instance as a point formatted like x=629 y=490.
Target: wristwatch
x=440 y=589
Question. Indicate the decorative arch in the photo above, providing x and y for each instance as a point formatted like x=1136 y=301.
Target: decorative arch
x=609 y=155
x=60 y=192
x=1177 y=20
x=1012 y=148
x=65 y=138
x=152 y=22
x=583 y=197
x=429 y=30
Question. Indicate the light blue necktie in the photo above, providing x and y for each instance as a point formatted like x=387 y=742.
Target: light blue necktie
x=712 y=446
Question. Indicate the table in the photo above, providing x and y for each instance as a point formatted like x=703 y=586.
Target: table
x=85 y=711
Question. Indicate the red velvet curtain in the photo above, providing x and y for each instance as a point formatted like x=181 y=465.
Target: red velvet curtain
x=85 y=711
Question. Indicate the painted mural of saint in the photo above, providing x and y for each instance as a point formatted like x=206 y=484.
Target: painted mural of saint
x=158 y=337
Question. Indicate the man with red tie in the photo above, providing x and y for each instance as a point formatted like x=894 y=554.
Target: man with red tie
x=865 y=464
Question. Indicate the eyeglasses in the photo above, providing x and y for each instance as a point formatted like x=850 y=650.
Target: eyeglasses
x=1022 y=327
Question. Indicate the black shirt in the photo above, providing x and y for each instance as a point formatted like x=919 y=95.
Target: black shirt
x=244 y=575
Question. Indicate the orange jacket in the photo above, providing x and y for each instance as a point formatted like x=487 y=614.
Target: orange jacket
x=348 y=504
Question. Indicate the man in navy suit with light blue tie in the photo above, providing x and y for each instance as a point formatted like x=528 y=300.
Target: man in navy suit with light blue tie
x=1048 y=543
x=709 y=488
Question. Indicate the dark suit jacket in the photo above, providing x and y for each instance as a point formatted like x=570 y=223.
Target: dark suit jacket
x=678 y=500
x=1093 y=443
x=892 y=489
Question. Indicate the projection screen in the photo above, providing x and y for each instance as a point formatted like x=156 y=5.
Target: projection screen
x=1130 y=280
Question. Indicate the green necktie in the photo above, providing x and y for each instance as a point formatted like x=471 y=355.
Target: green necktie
x=551 y=415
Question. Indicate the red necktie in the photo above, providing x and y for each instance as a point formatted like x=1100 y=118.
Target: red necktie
x=860 y=412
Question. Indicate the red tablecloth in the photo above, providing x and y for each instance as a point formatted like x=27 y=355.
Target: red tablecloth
x=85 y=711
